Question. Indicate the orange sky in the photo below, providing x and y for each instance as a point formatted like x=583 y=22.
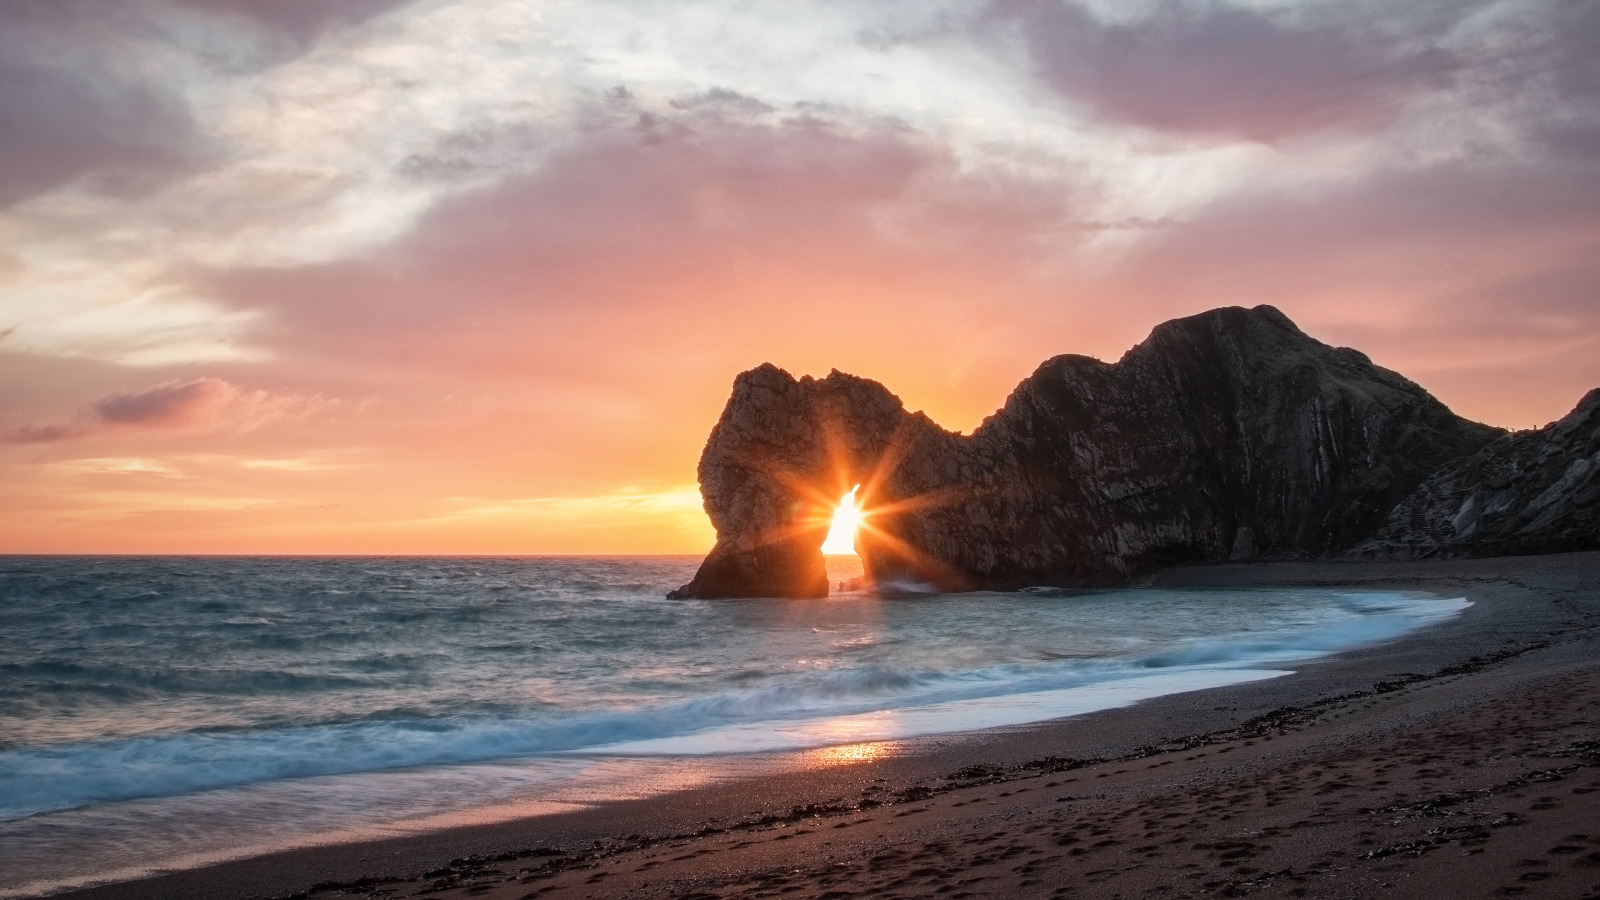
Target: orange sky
x=443 y=277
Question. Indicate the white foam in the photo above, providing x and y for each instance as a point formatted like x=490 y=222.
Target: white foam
x=938 y=718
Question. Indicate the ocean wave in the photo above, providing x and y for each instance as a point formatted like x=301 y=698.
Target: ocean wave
x=41 y=778
x=127 y=682
x=131 y=678
x=1395 y=619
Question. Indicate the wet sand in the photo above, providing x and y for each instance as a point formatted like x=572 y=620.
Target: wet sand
x=1462 y=761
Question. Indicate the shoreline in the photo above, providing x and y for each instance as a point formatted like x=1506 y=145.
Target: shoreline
x=1533 y=622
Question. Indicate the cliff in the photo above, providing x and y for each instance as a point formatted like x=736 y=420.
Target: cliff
x=1529 y=492
x=1225 y=435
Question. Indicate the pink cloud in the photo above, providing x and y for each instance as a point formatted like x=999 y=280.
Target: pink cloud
x=199 y=404
x=705 y=220
x=43 y=434
x=172 y=404
x=659 y=254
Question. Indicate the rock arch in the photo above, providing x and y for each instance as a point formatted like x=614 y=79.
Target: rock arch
x=1226 y=433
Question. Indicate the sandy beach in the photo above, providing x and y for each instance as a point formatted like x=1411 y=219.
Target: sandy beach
x=1460 y=761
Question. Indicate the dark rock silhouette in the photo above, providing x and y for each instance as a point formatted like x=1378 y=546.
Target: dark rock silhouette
x=778 y=461
x=1230 y=434
x=1529 y=492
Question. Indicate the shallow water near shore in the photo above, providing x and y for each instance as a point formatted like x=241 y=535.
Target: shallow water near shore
x=228 y=706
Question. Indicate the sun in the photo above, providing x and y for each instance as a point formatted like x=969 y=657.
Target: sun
x=846 y=519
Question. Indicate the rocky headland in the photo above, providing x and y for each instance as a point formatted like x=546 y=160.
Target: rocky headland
x=1227 y=435
x=1529 y=492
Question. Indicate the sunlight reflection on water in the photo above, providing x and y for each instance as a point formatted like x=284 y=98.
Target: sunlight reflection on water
x=851 y=754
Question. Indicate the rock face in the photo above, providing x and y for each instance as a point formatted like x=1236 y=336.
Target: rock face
x=776 y=464
x=1528 y=492
x=1225 y=435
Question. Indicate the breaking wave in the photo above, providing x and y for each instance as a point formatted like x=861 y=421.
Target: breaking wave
x=564 y=681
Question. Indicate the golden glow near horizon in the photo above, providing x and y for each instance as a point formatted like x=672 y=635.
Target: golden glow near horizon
x=846 y=521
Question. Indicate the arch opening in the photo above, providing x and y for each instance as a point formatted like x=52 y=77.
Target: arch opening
x=844 y=567
x=841 y=539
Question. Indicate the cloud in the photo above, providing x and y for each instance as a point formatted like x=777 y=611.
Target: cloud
x=44 y=434
x=340 y=151
x=301 y=19
x=200 y=404
x=1218 y=71
x=100 y=88
x=818 y=232
x=173 y=404
x=118 y=465
x=616 y=288
x=710 y=209
x=72 y=104
x=1565 y=63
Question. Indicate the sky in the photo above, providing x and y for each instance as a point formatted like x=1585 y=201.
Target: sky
x=471 y=276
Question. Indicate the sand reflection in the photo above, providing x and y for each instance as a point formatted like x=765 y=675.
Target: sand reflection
x=850 y=754
x=837 y=732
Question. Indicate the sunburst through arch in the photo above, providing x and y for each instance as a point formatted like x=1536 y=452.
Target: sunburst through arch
x=841 y=539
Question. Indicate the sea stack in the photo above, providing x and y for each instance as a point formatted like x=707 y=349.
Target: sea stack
x=1226 y=435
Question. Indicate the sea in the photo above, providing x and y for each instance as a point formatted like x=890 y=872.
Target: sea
x=159 y=713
